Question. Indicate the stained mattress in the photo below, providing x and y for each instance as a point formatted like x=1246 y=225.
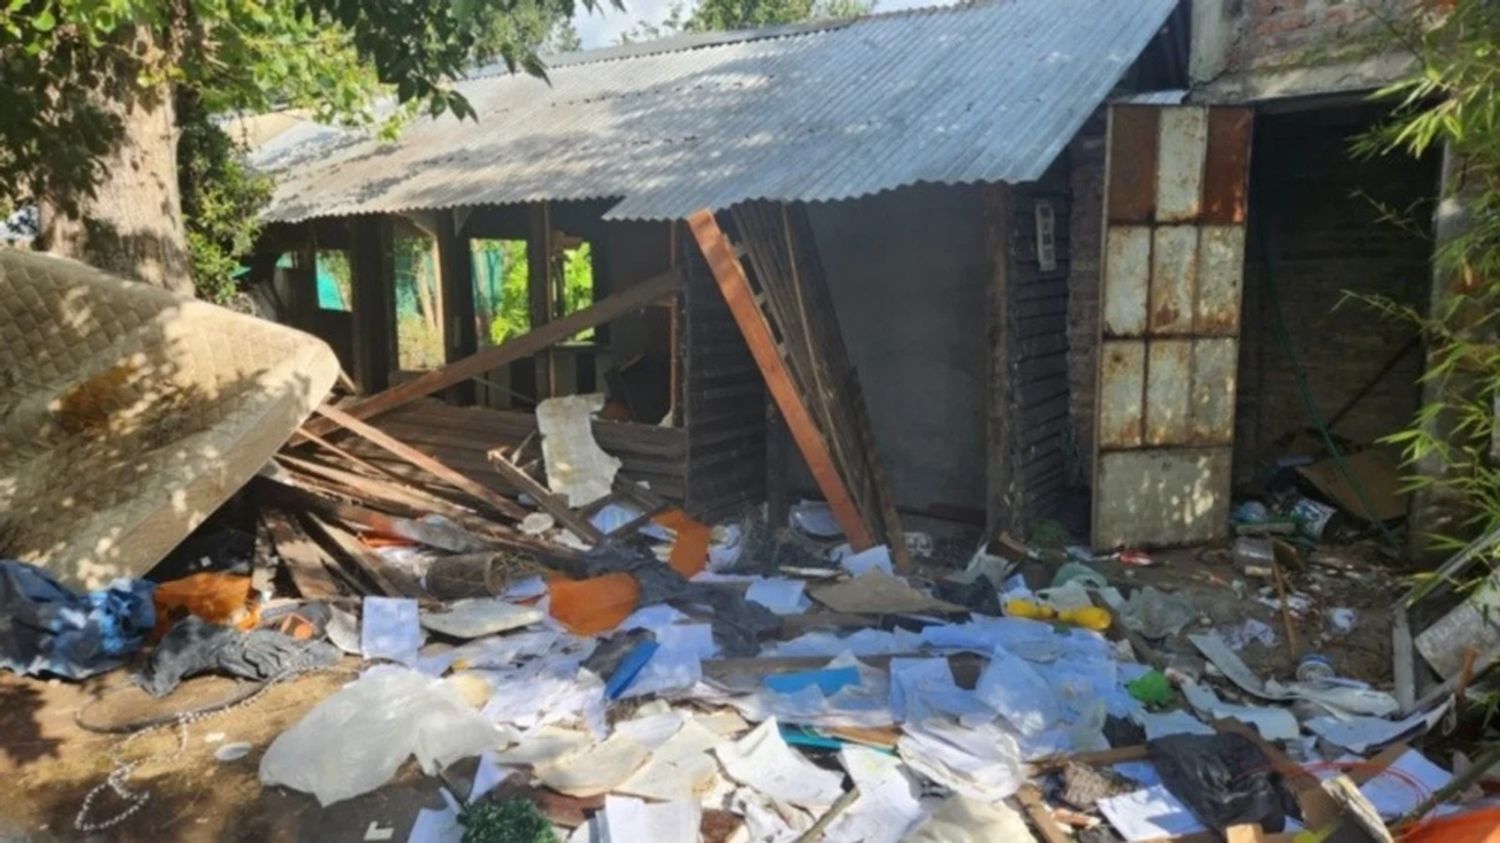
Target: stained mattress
x=128 y=414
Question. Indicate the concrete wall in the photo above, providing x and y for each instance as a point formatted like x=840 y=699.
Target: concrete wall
x=1255 y=49
x=907 y=270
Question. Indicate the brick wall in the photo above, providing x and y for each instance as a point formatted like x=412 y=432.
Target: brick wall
x=1317 y=208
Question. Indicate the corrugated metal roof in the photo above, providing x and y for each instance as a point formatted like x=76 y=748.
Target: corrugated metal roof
x=988 y=92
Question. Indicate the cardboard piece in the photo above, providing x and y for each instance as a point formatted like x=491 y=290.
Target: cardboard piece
x=1377 y=474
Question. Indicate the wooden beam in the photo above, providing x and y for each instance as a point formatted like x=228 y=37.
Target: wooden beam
x=735 y=286
x=631 y=298
x=396 y=447
x=374 y=287
x=456 y=280
x=391 y=581
x=306 y=562
x=437 y=535
x=539 y=294
x=555 y=506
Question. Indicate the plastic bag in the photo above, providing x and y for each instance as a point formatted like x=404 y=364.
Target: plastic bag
x=1224 y=780
x=1155 y=614
x=354 y=741
x=1011 y=686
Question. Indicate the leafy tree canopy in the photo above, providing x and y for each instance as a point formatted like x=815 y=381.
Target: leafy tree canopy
x=722 y=15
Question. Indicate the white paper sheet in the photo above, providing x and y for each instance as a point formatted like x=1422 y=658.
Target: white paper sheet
x=924 y=688
x=781 y=595
x=1274 y=724
x=697 y=638
x=488 y=774
x=678 y=767
x=1022 y=696
x=982 y=762
x=814 y=518
x=390 y=629
x=628 y=820
x=1361 y=734
x=887 y=805
x=438 y=825
x=670 y=669
x=877 y=558
x=1149 y=814
x=763 y=761
x=1403 y=786
x=577 y=468
x=1174 y=722
x=595 y=770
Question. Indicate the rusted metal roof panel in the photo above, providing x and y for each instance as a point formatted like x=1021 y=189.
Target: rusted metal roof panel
x=986 y=92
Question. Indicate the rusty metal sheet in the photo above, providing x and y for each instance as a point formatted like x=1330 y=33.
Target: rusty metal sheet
x=1226 y=173
x=1169 y=372
x=1161 y=497
x=1183 y=148
x=1122 y=387
x=1174 y=278
x=1221 y=266
x=1127 y=280
x=1215 y=365
x=1133 y=137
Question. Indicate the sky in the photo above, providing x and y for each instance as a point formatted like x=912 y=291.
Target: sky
x=603 y=28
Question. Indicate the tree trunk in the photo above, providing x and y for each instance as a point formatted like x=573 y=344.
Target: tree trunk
x=132 y=224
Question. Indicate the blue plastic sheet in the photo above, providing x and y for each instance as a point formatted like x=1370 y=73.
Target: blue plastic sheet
x=45 y=628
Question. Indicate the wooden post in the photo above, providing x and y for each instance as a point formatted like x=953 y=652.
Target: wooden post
x=778 y=446
x=1000 y=405
x=456 y=281
x=374 y=303
x=735 y=286
x=539 y=288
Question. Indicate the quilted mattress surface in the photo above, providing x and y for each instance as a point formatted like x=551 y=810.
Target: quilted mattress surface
x=128 y=414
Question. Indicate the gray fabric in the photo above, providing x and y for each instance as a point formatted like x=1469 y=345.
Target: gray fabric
x=193 y=646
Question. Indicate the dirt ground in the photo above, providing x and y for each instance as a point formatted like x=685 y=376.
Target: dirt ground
x=48 y=763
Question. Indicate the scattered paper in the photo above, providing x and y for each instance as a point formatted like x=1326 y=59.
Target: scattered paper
x=827 y=680
x=1023 y=697
x=815 y=518
x=544 y=744
x=983 y=762
x=1175 y=722
x=924 y=688
x=877 y=558
x=1238 y=637
x=1401 y=787
x=886 y=806
x=627 y=819
x=593 y=771
x=438 y=825
x=781 y=595
x=762 y=760
x=1361 y=734
x=876 y=593
x=390 y=629
x=670 y=669
x=577 y=468
x=488 y=774
x=697 y=638
x=959 y=819
x=1149 y=814
x=478 y=617
x=679 y=767
x=1274 y=724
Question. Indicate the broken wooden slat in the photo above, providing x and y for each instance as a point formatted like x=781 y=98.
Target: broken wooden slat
x=810 y=440
x=440 y=536
x=631 y=298
x=1036 y=810
x=554 y=505
x=391 y=581
x=306 y=562
x=463 y=482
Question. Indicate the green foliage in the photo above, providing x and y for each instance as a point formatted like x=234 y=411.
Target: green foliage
x=722 y=15
x=221 y=200
x=67 y=65
x=1452 y=101
x=514 y=316
x=513 y=820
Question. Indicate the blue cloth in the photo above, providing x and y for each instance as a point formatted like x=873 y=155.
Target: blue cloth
x=45 y=628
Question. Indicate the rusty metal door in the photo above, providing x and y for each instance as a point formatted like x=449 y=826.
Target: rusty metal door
x=1174 y=245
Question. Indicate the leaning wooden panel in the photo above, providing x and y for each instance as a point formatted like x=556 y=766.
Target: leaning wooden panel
x=132 y=413
x=735 y=286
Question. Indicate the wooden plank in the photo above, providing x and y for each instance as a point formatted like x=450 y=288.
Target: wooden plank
x=1040 y=815
x=436 y=535
x=456 y=279
x=541 y=302
x=306 y=562
x=389 y=580
x=631 y=298
x=437 y=469
x=374 y=305
x=553 y=504
x=810 y=441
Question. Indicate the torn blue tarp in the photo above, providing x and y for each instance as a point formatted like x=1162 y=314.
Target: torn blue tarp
x=45 y=628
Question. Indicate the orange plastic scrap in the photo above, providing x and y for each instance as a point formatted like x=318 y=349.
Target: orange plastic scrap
x=690 y=553
x=1481 y=826
x=214 y=596
x=593 y=605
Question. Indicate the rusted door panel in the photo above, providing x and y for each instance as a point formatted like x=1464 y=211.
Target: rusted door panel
x=1221 y=265
x=1182 y=151
x=1127 y=280
x=1215 y=364
x=1174 y=276
x=1161 y=492
x=1133 y=135
x=1123 y=389
x=1169 y=366
x=1171 y=288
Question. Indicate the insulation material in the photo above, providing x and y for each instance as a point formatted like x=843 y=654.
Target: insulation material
x=132 y=413
x=577 y=467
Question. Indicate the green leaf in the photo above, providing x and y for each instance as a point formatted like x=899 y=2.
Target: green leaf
x=44 y=21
